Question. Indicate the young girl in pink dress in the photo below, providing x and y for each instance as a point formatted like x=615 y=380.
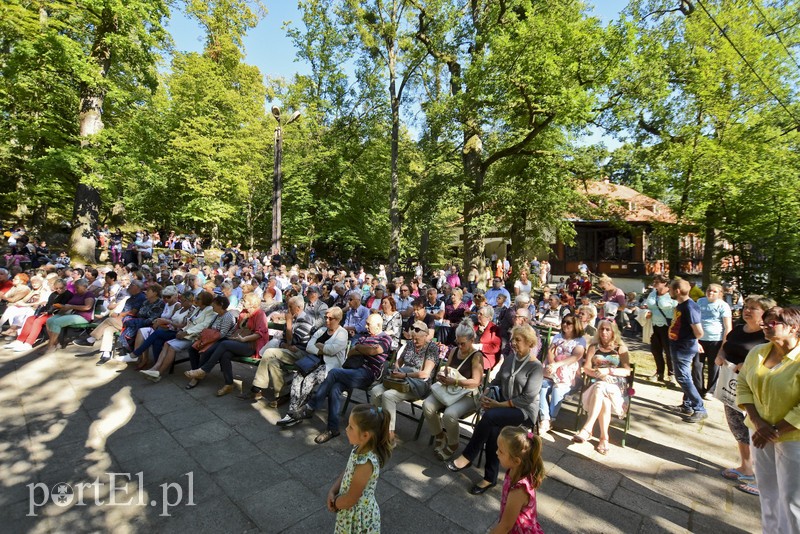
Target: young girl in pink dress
x=520 y=453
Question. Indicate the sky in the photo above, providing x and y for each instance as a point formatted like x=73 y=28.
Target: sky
x=268 y=47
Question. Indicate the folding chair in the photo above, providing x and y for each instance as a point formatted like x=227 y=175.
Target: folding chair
x=587 y=381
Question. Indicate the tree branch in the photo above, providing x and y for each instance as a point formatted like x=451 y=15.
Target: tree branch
x=515 y=148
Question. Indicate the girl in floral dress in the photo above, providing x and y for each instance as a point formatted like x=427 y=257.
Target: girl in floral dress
x=520 y=453
x=352 y=496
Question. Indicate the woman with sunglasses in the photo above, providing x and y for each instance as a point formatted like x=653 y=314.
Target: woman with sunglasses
x=563 y=362
x=328 y=343
x=768 y=389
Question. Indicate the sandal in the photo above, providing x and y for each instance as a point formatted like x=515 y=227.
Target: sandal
x=581 y=436
x=602 y=447
x=749 y=487
x=735 y=474
x=326 y=436
x=192 y=384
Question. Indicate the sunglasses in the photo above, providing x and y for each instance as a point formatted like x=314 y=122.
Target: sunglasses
x=771 y=324
x=418 y=330
x=329 y=318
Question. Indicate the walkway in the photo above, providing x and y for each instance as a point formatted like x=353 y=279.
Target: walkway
x=63 y=419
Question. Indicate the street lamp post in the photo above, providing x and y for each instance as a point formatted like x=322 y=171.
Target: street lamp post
x=277 y=179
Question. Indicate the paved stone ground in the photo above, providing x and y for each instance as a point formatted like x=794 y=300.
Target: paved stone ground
x=62 y=419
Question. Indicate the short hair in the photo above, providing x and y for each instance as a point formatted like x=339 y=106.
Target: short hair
x=221 y=301
x=298 y=301
x=681 y=286
x=523 y=312
x=764 y=302
x=790 y=315
x=24 y=278
x=83 y=282
x=661 y=279
x=205 y=298
x=486 y=311
x=392 y=303
x=419 y=302
x=155 y=288
x=336 y=312
x=466 y=329
x=188 y=295
x=458 y=291
x=591 y=309
x=251 y=299
x=112 y=275
x=522 y=298
x=529 y=334
x=714 y=286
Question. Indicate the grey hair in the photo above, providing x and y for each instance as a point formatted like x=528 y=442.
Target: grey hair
x=486 y=311
x=466 y=329
x=298 y=301
x=522 y=298
x=83 y=282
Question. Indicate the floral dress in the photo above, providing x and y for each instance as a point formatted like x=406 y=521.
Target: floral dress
x=365 y=516
x=614 y=388
x=527 y=522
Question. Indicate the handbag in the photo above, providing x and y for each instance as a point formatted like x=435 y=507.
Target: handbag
x=207 y=337
x=726 y=386
x=308 y=364
x=449 y=395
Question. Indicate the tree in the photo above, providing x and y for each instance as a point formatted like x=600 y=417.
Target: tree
x=515 y=71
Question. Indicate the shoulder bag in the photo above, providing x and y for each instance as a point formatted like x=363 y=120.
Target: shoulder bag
x=449 y=395
x=207 y=337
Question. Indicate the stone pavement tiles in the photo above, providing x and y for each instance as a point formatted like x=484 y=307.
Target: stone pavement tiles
x=206 y=464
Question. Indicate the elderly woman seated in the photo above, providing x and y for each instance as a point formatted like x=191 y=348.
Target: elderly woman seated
x=608 y=366
x=561 y=369
x=199 y=319
x=410 y=377
x=151 y=340
x=329 y=344
x=512 y=399
x=392 y=320
x=250 y=335
x=465 y=370
x=77 y=311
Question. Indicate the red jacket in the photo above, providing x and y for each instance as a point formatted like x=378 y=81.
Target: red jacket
x=490 y=339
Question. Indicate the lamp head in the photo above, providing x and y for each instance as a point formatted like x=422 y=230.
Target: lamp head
x=276 y=112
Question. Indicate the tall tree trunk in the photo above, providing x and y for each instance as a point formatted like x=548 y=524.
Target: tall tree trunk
x=473 y=205
x=518 y=225
x=423 y=247
x=394 y=212
x=87 y=197
x=709 y=246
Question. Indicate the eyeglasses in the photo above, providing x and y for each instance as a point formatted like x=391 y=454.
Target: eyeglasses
x=329 y=318
x=771 y=324
x=418 y=330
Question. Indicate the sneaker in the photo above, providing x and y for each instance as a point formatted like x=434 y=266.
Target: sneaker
x=83 y=342
x=696 y=417
x=151 y=374
x=12 y=345
x=681 y=409
x=288 y=421
x=22 y=347
x=127 y=358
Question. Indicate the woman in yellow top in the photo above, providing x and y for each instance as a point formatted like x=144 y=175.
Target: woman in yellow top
x=769 y=390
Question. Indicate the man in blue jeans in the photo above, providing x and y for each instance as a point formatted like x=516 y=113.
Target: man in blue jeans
x=375 y=349
x=684 y=332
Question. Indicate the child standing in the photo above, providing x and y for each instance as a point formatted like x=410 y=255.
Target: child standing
x=352 y=496
x=520 y=453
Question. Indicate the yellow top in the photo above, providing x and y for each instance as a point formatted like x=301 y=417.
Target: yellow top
x=774 y=392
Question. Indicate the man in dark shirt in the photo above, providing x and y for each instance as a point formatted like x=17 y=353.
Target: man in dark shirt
x=375 y=350
x=684 y=332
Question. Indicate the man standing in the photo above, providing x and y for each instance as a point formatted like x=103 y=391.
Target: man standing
x=375 y=349
x=684 y=332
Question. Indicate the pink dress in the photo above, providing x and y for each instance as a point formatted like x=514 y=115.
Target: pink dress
x=526 y=520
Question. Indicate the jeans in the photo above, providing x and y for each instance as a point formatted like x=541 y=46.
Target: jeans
x=486 y=433
x=222 y=353
x=337 y=381
x=551 y=397
x=155 y=340
x=131 y=325
x=683 y=353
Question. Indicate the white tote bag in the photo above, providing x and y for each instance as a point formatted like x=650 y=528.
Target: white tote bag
x=726 y=385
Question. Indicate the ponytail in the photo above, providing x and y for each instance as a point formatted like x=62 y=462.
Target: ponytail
x=527 y=447
x=375 y=421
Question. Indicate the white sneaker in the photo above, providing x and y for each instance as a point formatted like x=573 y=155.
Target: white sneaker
x=150 y=374
x=127 y=358
x=12 y=345
x=22 y=347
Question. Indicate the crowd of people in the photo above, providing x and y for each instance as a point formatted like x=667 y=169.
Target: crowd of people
x=461 y=346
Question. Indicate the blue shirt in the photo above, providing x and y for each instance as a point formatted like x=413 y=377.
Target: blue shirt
x=686 y=314
x=357 y=319
x=665 y=302
x=134 y=303
x=712 y=315
x=491 y=296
